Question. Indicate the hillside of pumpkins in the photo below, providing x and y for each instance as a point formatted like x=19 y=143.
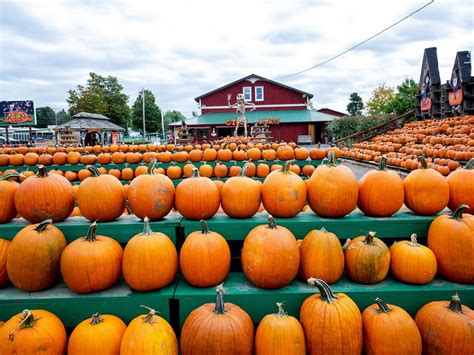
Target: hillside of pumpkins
x=240 y=248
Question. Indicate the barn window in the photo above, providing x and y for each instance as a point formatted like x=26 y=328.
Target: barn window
x=247 y=91
x=259 y=93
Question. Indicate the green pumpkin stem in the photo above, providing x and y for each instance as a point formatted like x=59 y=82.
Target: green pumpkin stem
x=204 y=227
x=42 y=226
x=455 y=304
x=346 y=244
x=96 y=319
x=195 y=173
x=286 y=167
x=281 y=311
x=94 y=171
x=271 y=223
x=146 y=227
x=91 y=232
x=383 y=307
x=413 y=240
x=13 y=174
x=369 y=238
x=27 y=322
x=332 y=161
x=220 y=290
x=324 y=230
x=149 y=318
x=383 y=163
x=151 y=166
x=457 y=214
x=470 y=164
x=244 y=170
x=326 y=293
x=422 y=160
x=42 y=172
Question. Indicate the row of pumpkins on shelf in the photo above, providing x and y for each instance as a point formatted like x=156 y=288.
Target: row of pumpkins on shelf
x=332 y=191
x=271 y=257
x=283 y=152
x=329 y=323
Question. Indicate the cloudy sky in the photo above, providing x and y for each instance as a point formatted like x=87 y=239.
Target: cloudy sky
x=181 y=49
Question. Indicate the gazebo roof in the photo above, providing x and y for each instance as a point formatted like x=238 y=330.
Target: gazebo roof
x=87 y=120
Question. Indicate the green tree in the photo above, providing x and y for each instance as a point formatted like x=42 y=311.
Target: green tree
x=102 y=95
x=45 y=116
x=63 y=116
x=173 y=116
x=355 y=105
x=404 y=100
x=152 y=113
x=381 y=101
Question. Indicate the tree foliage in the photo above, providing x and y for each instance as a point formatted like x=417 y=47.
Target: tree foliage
x=381 y=101
x=45 y=116
x=355 y=105
x=404 y=100
x=347 y=125
x=173 y=116
x=102 y=95
x=152 y=113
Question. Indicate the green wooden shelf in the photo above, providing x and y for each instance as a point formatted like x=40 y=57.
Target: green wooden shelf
x=259 y=302
x=121 y=230
x=400 y=226
x=72 y=308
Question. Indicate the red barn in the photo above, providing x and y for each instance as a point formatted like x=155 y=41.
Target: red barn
x=288 y=110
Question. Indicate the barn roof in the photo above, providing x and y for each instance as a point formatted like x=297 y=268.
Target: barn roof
x=254 y=76
x=86 y=120
x=293 y=116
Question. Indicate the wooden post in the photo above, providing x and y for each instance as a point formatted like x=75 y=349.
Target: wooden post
x=31 y=134
x=6 y=133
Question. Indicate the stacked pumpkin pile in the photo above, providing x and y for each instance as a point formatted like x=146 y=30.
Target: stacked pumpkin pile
x=446 y=144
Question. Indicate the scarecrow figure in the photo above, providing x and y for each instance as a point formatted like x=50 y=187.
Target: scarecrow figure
x=240 y=107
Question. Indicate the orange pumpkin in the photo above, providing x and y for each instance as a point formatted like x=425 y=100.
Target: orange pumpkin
x=461 y=187
x=8 y=189
x=285 y=152
x=4 y=246
x=204 y=258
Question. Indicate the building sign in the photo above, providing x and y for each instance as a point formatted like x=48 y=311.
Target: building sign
x=17 y=113
x=262 y=121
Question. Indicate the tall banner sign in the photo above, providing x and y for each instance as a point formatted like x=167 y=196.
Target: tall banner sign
x=17 y=113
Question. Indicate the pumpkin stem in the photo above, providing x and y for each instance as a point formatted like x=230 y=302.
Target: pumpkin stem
x=422 y=160
x=195 y=173
x=146 y=227
x=286 y=167
x=149 y=318
x=346 y=244
x=13 y=174
x=94 y=171
x=42 y=226
x=332 y=161
x=271 y=223
x=455 y=304
x=42 y=172
x=413 y=241
x=204 y=227
x=151 y=166
x=96 y=319
x=457 y=214
x=326 y=293
x=281 y=311
x=383 y=163
x=244 y=170
x=220 y=290
x=470 y=164
x=324 y=230
x=383 y=307
x=369 y=238
x=91 y=235
x=27 y=322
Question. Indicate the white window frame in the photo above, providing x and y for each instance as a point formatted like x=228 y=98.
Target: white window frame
x=249 y=88
x=263 y=93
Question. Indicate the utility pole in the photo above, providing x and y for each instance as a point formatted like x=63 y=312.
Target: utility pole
x=163 y=125
x=143 y=112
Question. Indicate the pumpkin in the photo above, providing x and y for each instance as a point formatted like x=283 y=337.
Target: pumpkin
x=367 y=259
x=285 y=152
x=92 y=263
x=33 y=332
x=321 y=256
x=279 y=333
x=389 y=329
x=426 y=190
x=197 y=197
x=149 y=334
x=151 y=195
x=34 y=256
x=451 y=238
x=270 y=256
x=332 y=323
x=332 y=189
x=461 y=187
x=150 y=260
x=204 y=258
x=412 y=263
x=283 y=192
x=240 y=196
x=446 y=327
x=4 y=246
x=100 y=334
x=381 y=191
x=217 y=328
x=7 y=197
x=100 y=197
x=44 y=196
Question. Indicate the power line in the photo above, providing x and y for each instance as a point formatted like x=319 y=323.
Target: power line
x=357 y=45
